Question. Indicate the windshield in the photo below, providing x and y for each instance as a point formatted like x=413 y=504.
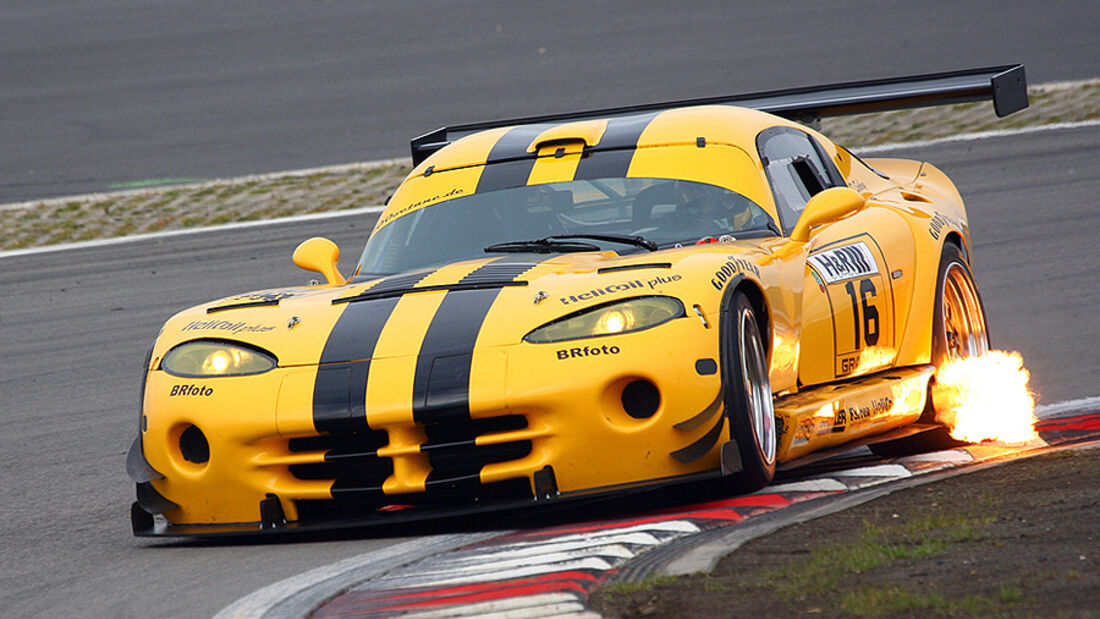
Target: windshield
x=664 y=211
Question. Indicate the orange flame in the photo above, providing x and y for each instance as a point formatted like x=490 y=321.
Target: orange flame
x=986 y=398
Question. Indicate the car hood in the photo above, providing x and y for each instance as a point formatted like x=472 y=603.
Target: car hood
x=447 y=307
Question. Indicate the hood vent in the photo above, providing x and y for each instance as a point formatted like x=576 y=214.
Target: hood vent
x=635 y=267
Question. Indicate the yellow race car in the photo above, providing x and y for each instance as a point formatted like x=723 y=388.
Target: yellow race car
x=579 y=304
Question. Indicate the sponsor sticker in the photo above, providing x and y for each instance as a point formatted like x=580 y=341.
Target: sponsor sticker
x=938 y=222
x=841 y=263
x=660 y=279
x=876 y=408
x=587 y=351
x=596 y=293
x=226 y=325
x=733 y=266
x=190 y=390
x=415 y=205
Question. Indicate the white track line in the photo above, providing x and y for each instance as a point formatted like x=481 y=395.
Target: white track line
x=967 y=137
x=979 y=135
x=335 y=575
x=1069 y=407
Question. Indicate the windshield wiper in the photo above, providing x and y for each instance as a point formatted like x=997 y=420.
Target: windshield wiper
x=562 y=242
x=627 y=239
x=542 y=246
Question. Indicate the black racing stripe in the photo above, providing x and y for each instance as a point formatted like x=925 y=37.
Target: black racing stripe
x=509 y=164
x=339 y=393
x=611 y=158
x=441 y=385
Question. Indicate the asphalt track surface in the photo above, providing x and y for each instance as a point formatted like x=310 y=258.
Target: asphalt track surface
x=76 y=324
x=95 y=94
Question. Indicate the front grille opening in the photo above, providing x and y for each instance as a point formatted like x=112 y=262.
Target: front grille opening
x=460 y=460
x=193 y=446
x=351 y=459
x=641 y=399
x=352 y=462
x=471 y=428
x=453 y=451
x=439 y=499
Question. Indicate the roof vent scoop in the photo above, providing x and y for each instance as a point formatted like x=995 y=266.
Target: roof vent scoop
x=573 y=137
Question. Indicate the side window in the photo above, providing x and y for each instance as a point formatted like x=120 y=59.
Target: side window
x=797 y=168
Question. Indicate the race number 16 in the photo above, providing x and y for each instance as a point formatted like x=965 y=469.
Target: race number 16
x=862 y=299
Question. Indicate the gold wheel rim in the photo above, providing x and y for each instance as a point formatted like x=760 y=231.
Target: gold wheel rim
x=964 y=331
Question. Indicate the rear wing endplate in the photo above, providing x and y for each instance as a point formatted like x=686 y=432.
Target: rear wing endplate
x=1005 y=85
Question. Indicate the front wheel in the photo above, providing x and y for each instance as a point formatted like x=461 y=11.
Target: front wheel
x=749 y=404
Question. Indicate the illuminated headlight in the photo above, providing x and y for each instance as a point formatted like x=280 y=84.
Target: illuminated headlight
x=216 y=358
x=613 y=318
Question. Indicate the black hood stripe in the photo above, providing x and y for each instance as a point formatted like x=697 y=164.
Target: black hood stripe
x=441 y=387
x=339 y=393
x=509 y=164
x=616 y=148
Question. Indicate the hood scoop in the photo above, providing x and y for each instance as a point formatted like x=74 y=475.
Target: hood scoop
x=635 y=267
x=243 y=304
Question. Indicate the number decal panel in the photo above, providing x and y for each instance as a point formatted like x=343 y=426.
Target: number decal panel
x=852 y=272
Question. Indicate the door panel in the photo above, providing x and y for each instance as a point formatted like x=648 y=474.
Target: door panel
x=850 y=312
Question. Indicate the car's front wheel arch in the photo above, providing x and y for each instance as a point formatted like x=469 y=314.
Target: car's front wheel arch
x=749 y=409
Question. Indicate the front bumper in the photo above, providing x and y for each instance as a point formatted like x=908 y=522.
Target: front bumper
x=546 y=423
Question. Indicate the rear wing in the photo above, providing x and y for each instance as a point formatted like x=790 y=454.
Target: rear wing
x=1005 y=85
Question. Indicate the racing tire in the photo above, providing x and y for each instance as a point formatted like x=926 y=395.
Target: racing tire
x=958 y=325
x=958 y=331
x=748 y=400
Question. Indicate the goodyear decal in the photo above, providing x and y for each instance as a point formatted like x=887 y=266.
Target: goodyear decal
x=733 y=266
x=846 y=262
x=940 y=221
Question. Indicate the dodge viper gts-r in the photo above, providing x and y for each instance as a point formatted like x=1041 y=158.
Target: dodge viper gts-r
x=579 y=304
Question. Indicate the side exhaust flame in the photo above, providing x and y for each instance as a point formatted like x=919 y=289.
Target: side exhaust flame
x=986 y=398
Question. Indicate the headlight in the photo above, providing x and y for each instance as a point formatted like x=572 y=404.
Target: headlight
x=216 y=358
x=610 y=319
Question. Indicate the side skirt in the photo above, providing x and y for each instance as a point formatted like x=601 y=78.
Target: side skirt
x=850 y=413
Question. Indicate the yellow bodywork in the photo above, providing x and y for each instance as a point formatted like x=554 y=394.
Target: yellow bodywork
x=564 y=400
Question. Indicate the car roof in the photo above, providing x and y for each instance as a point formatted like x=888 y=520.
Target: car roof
x=700 y=125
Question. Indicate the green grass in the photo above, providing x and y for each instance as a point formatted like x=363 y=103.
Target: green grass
x=829 y=571
x=893 y=600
